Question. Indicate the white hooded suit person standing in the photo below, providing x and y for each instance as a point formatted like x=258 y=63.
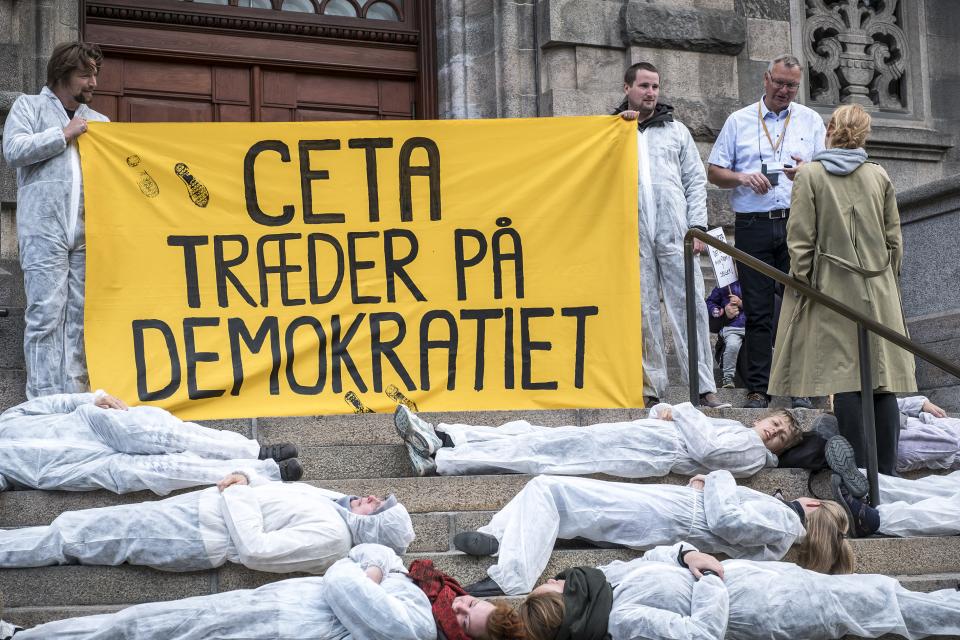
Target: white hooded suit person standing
x=40 y=142
x=275 y=526
x=367 y=595
x=719 y=517
x=88 y=441
x=672 y=198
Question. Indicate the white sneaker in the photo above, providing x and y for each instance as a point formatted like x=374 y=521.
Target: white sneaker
x=422 y=465
x=416 y=432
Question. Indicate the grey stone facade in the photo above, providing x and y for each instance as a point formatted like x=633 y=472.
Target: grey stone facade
x=29 y=29
x=524 y=58
x=930 y=279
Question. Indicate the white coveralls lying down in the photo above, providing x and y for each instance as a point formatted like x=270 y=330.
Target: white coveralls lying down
x=276 y=526
x=689 y=444
x=928 y=506
x=66 y=442
x=926 y=441
x=344 y=604
x=655 y=598
x=723 y=518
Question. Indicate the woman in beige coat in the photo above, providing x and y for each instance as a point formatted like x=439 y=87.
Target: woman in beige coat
x=843 y=236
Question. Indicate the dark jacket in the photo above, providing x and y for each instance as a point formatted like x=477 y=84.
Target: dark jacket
x=720 y=298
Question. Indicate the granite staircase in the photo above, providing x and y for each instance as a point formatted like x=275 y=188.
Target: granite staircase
x=361 y=454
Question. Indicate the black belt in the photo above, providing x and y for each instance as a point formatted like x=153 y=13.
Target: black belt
x=773 y=214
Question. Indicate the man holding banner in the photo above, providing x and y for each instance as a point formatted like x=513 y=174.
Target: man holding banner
x=672 y=198
x=40 y=142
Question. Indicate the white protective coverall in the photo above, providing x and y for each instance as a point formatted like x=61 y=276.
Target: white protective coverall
x=691 y=443
x=52 y=242
x=723 y=518
x=672 y=198
x=277 y=527
x=66 y=442
x=655 y=598
x=926 y=441
x=342 y=605
x=928 y=506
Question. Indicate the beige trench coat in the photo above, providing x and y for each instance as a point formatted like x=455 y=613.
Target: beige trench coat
x=844 y=239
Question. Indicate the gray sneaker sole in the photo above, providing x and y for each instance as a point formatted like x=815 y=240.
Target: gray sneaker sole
x=409 y=433
x=475 y=543
x=842 y=461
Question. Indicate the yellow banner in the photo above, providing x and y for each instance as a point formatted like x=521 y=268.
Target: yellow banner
x=261 y=269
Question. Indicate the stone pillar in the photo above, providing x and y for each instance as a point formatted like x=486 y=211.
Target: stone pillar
x=929 y=281
x=29 y=29
x=486 y=58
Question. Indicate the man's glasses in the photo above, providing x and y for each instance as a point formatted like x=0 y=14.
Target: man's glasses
x=793 y=86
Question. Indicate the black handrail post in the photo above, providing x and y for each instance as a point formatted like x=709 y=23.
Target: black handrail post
x=693 y=370
x=867 y=425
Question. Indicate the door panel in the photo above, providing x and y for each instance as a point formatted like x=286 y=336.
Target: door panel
x=169 y=60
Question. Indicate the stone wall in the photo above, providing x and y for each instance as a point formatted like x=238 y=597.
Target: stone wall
x=524 y=58
x=29 y=29
x=930 y=281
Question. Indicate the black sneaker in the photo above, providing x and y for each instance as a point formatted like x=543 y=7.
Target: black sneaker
x=279 y=451
x=475 y=543
x=842 y=461
x=864 y=520
x=290 y=470
x=485 y=588
x=756 y=400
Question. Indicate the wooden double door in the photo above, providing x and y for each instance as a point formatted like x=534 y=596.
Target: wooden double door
x=181 y=61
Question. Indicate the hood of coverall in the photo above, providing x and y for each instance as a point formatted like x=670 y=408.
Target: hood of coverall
x=390 y=527
x=663 y=112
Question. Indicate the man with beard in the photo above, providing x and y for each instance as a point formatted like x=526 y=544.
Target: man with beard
x=40 y=142
x=672 y=198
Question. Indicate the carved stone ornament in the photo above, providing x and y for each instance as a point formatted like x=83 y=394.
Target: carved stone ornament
x=856 y=52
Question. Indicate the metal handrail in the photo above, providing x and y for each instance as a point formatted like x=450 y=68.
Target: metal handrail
x=864 y=324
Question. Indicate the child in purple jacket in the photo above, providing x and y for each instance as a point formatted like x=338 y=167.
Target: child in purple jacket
x=726 y=304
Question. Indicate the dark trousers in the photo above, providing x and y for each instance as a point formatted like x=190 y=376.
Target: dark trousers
x=765 y=240
x=846 y=406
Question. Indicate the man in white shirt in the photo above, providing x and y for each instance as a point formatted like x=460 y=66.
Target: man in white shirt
x=266 y=526
x=757 y=155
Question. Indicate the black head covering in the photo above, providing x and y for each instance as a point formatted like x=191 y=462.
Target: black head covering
x=587 y=600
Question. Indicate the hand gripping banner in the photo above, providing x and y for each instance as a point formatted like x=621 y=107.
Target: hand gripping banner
x=269 y=269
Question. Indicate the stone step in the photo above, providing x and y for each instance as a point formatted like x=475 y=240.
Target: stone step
x=12 y=383
x=419 y=495
x=70 y=586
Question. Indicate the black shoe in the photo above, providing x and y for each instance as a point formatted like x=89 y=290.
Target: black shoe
x=290 y=470
x=842 y=461
x=649 y=402
x=475 y=543
x=826 y=425
x=756 y=400
x=864 y=520
x=279 y=451
x=485 y=588
x=801 y=402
